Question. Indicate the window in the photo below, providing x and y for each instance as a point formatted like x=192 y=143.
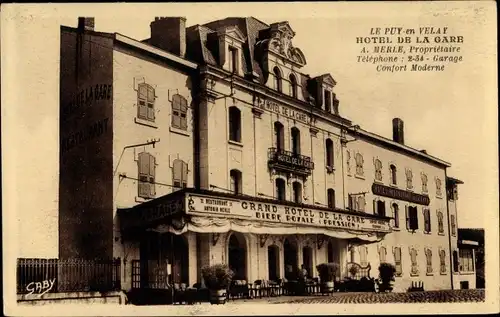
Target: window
x=280 y=189
x=331 y=198
x=359 y=164
x=277 y=79
x=394 y=180
x=428 y=257
x=442 y=261
x=466 y=260
x=180 y=171
x=146 y=102
x=411 y=218
x=328 y=101
x=455 y=261
x=453 y=225
x=329 y=152
x=440 y=222
x=361 y=203
x=427 y=220
x=179 y=112
x=235 y=177
x=233 y=59
x=348 y=161
x=293 y=86
x=147 y=167
x=382 y=252
x=295 y=141
x=397 y=261
x=378 y=170
x=438 y=187
x=414 y=262
x=363 y=255
x=234 y=124
x=409 y=178
x=424 y=182
x=297 y=192
x=379 y=207
x=279 y=136
x=395 y=215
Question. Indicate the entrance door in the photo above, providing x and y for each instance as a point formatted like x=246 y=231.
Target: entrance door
x=273 y=262
x=290 y=259
x=307 y=260
x=237 y=256
x=157 y=251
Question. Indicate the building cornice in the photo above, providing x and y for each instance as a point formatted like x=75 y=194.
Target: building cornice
x=153 y=50
x=375 y=138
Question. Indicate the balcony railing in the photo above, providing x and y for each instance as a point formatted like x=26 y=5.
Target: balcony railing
x=289 y=161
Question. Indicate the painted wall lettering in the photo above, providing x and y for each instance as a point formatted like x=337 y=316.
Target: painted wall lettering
x=90 y=132
x=86 y=97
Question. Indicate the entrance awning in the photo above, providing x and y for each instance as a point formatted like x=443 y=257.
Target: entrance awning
x=221 y=225
x=208 y=211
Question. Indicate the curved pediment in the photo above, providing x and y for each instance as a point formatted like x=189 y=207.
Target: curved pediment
x=280 y=42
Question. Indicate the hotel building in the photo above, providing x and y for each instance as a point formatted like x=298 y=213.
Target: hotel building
x=208 y=144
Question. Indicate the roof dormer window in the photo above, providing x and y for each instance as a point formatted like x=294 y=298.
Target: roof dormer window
x=233 y=60
x=328 y=101
x=293 y=86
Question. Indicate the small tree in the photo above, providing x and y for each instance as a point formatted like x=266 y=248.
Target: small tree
x=386 y=275
x=327 y=271
x=217 y=277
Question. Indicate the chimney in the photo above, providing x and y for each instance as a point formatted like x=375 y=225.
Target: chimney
x=86 y=24
x=169 y=34
x=398 y=131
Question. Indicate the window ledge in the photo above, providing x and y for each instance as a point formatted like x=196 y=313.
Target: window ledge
x=359 y=176
x=145 y=123
x=443 y=273
x=414 y=274
x=427 y=232
x=235 y=143
x=409 y=189
x=440 y=197
x=179 y=131
x=330 y=169
x=393 y=185
x=396 y=228
x=467 y=273
x=430 y=274
x=441 y=233
x=378 y=182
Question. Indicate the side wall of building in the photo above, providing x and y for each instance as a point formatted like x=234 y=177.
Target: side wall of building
x=86 y=136
x=131 y=70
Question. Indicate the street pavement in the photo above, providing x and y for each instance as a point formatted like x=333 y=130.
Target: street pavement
x=444 y=296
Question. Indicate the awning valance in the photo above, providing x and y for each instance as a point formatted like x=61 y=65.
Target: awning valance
x=221 y=225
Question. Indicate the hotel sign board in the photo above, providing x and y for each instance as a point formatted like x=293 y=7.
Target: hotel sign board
x=399 y=194
x=145 y=216
x=202 y=205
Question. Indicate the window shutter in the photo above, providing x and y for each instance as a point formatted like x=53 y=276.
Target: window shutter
x=183 y=113
x=184 y=174
x=407 y=214
x=382 y=208
x=143 y=175
x=375 y=212
x=152 y=172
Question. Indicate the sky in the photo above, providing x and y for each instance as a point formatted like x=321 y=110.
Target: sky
x=451 y=114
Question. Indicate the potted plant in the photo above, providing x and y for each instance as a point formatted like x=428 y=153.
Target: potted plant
x=327 y=273
x=353 y=270
x=217 y=279
x=386 y=276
